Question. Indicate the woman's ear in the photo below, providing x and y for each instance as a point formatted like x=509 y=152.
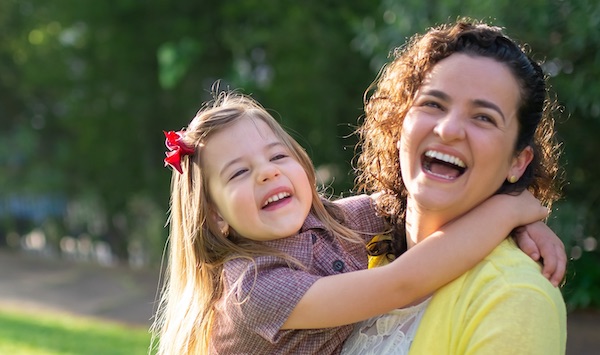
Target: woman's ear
x=519 y=164
x=221 y=224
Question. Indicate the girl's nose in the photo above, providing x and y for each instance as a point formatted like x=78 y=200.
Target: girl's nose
x=450 y=127
x=268 y=172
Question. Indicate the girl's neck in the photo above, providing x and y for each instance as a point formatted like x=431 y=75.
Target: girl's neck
x=421 y=223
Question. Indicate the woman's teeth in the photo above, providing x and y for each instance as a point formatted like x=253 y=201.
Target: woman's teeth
x=445 y=158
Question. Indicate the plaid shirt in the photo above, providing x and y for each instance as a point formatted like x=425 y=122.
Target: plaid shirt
x=261 y=296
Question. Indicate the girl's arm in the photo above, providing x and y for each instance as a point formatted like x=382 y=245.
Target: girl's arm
x=355 y=296
x=539 y=242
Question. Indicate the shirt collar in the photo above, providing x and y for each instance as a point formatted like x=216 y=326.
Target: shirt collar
x=312 y=222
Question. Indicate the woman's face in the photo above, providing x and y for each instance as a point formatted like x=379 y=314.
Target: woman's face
x=458 y=138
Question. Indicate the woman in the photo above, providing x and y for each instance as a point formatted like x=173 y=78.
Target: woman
x=460 y=114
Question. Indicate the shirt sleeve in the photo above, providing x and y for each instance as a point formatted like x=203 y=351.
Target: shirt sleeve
x=361 y=215
x=523 y=319
x=265 y=294
x=501 y=306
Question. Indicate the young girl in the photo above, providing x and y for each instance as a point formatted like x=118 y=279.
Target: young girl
x=259 y=262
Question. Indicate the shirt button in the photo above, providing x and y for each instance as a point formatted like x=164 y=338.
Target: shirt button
x=338 y=265
x=314 y=238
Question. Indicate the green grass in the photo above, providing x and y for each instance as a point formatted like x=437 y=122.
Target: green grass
x=48 y=333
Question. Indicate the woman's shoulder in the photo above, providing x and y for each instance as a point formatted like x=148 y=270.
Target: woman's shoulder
x=504 y=294
x=509 y=268
x=508 y=256
x=506 y=276
x=506 y=270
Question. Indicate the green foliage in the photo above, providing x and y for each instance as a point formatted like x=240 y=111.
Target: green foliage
x=575 y=222
x=86 y=88
x=123 y=71
x=52 y=334
x=581 y=288
x=174 y=61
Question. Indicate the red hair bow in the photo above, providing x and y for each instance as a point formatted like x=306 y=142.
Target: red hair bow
x=177 y=149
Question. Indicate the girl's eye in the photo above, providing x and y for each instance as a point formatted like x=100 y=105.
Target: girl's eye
x=237 y=173
x=279 y=156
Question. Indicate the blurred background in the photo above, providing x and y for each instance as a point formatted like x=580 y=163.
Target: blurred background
x=86 y=88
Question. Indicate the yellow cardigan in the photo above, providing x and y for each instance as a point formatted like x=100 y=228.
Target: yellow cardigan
x=504 y=305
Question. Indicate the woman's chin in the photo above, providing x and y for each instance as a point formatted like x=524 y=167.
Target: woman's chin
x=438 y=202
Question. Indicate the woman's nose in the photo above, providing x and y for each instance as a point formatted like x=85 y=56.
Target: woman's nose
x=450 y=127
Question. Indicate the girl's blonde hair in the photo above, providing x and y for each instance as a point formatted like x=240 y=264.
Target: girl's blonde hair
x=197 y=249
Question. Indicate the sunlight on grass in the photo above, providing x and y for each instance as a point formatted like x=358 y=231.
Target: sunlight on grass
x=48 y=333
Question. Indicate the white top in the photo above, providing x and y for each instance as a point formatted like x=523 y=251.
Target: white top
x=391 y=333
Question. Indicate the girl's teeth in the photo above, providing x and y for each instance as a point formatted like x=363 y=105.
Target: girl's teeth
x=277 y=197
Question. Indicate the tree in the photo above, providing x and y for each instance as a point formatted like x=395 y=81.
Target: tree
x=87 y=87
x=123 y=71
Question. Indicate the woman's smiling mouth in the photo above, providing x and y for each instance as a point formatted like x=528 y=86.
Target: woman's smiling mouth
x=442 y=165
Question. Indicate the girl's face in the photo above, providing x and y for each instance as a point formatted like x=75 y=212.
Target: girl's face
x=258 y=188
x=458 y=138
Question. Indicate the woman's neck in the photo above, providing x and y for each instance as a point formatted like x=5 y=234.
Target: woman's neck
x=420 y=223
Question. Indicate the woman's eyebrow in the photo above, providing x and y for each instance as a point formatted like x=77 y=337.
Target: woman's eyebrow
x=437 y=93
x=490 y=105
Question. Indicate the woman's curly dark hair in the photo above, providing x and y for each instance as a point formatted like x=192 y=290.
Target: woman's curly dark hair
x=393 y=92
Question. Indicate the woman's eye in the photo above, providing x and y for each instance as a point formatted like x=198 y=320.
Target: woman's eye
x=432 y=104
x=485 y=118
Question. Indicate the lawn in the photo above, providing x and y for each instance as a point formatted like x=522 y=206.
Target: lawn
x=49 y=333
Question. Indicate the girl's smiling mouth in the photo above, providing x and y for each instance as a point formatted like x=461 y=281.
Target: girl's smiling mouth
x=275 y=199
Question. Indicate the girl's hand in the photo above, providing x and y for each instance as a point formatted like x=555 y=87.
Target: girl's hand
x=526 y=208
x=539 y=242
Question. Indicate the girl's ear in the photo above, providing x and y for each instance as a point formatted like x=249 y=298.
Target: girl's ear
x=221 y=224
x=519 y=164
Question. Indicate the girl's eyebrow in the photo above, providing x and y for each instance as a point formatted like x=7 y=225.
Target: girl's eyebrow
x=477 y=102
x=273 y=144
x=227 y=165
